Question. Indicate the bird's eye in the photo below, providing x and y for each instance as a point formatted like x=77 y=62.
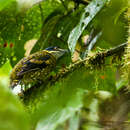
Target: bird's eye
x=55 y=48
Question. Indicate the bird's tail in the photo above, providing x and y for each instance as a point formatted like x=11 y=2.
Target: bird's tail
x=16 y=88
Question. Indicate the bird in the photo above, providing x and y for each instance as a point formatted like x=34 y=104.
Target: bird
x=36 y=67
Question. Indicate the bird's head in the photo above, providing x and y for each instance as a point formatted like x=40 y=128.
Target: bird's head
x=56 y=51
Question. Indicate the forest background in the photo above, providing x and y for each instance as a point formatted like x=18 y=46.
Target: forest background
x=90 y=89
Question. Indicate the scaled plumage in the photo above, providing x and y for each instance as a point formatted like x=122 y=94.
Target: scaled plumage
x=35 y=67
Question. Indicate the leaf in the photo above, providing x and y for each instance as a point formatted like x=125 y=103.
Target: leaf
x=12 y=114
x=87 y=16
x=60 y=112
x=47 y=33
x=74 y=122
x=56 y=29
x=112 y=22
x=25 y=4
x=106 y=79
x=61 y=101
x=16 y=29
x=4 y=3
x=4 y=74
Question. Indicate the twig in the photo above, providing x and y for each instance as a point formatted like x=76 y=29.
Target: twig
x=91 y=42
x=118 y=49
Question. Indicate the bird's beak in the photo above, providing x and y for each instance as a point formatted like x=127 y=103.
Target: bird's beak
x=59 y=53
x=63 y=50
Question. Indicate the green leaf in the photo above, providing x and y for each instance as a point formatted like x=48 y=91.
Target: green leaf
x=121 y=83
x=4 y=74
x=112 y=22
x=65 y=98
x=106 y=79
x=74 y=122
x=58 y=107
x=17 y=28
x=56 y=30
x=12 y=114
x=87 y=16
x=48 y=31
x=4 y=3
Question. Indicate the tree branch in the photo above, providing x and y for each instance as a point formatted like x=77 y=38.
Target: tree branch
x=91 y=60
x=95 y=60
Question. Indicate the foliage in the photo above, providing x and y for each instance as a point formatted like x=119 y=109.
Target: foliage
x=73 y=101
x=89 y=13
x=12 y=115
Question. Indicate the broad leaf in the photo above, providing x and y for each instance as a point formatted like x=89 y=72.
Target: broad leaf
x=4 y=3
x=12 y=114
x=87 y=16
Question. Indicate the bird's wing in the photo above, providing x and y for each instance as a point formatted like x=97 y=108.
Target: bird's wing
x=34 y=64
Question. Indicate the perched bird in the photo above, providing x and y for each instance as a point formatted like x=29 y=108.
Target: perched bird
x=35 y=67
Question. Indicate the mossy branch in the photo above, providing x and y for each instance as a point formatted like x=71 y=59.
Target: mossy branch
x=97 y=60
